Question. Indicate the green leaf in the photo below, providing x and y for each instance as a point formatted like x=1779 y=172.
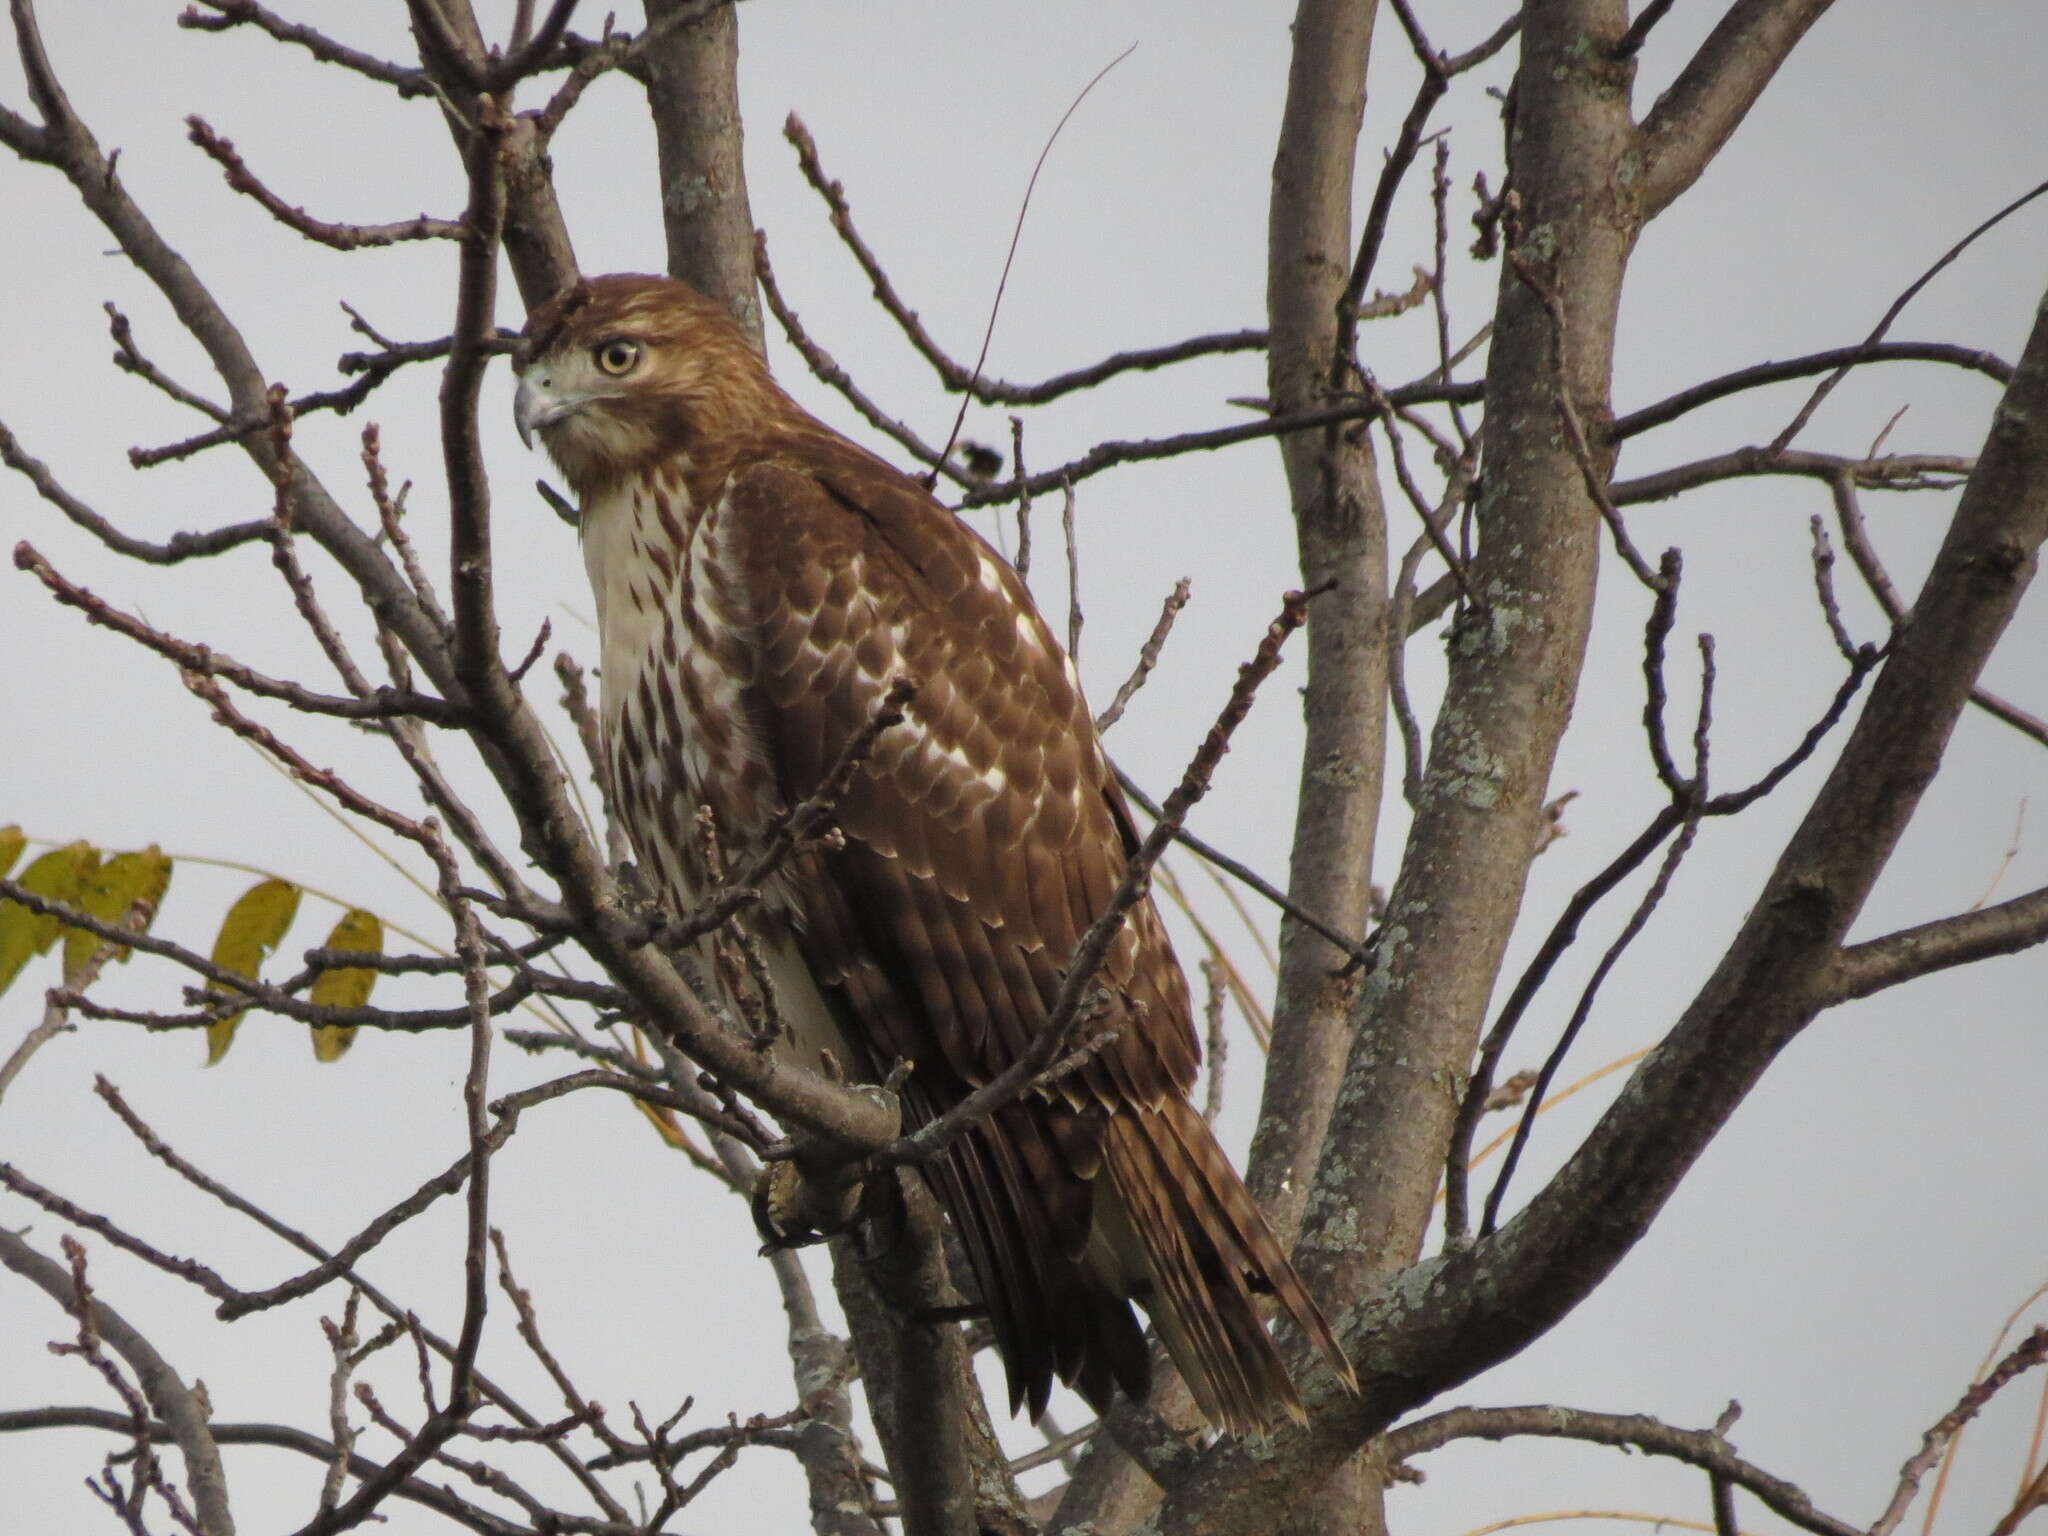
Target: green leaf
x=252 y=929
x=109 y=893
x=348 y=988
x=57 y=875
x=11 y=844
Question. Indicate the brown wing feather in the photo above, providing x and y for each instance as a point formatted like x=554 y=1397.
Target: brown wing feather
x=982 y=838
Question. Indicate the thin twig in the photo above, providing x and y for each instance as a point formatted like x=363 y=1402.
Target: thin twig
x=1016 y=234
x=1894 y=472
x=1074 y=619
x=1706 y=1449
x=828 y=371
x=1023 y=561
x=408 y=82
x=2028 y=1353
x=1632 y=41
x=793 y=830
x=1674 y=406
x=1245 y=875
x=1110 y=454
x=1148 y=655
x=958 y=376
x=340 y=237
x=1563 y=933
x=1595 y=477
x=179 y=547
x=1863 y=555
x=1805 y=413
x=1692 y=800
x=129 y=359
x=1435 y=80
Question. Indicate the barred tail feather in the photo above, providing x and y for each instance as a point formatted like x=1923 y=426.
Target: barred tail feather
x=1207 y=1254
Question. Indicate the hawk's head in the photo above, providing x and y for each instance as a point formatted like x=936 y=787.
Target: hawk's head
x=620 y=373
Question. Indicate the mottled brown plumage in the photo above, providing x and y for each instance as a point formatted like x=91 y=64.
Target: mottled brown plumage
x=759 y=581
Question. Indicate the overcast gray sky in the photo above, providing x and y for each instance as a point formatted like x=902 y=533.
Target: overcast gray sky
x=1843 y=1255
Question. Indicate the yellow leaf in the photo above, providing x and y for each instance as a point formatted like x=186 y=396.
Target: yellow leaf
x=11 y=844
x=251 y=930
x=57 y=875
x=348 y=988
x=109 y=893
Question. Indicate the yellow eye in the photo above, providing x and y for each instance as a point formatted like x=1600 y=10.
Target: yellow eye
x=618 y=356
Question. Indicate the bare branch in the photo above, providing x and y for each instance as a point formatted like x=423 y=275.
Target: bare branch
x=278 y=1436
x=1863 y=554
x=1245 y=875
x=1893 y=472
x=1563 y=933
x=1596 y=476
x=229 y=14
x=958 y=376
x=1107 y=455
x=189 y=656
x=1148 y=655
x=1714 y=92
x=1824 y=589
x=1805 y=414
x=627 y=52
x=1758 y=375
x=340 y=237
x=1435 y=80
x=182 y=546
x=829 y=372
x=2028 y=1353
x=1703 y=1448
x=1690 y=798
x=1910 y=953
x=129 y=359
x=165 y=1391
x=1639 y=29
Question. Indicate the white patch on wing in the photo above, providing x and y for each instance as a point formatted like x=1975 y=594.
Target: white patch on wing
x=958 y=759
x=990 y=578
x=1027 y=632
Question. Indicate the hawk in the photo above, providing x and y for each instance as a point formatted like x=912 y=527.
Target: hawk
x=760 y=581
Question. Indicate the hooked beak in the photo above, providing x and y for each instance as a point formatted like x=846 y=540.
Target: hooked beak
x=536 y=406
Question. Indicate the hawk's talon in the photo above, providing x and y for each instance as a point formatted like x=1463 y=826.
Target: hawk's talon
x=792 y=1210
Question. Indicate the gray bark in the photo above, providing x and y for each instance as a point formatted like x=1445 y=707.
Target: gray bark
x=693 y=89
x=1340 y=531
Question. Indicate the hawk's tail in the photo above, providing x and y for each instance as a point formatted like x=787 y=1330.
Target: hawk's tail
x=1208 y=1255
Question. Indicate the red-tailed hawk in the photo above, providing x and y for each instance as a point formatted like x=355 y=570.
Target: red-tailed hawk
x=760 y=581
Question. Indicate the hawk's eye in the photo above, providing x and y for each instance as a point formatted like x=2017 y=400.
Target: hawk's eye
x=618 y=356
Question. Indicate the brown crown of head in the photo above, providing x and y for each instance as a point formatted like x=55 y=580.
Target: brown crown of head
x=620 y=373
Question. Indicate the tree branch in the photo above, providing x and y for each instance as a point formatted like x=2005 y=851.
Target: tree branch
x=1893 y=472
x=2005 y=929
x=1703 y=1448
x=1713 y=93
x=166 y=1392
x=229 y=14
x=1757 y=375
